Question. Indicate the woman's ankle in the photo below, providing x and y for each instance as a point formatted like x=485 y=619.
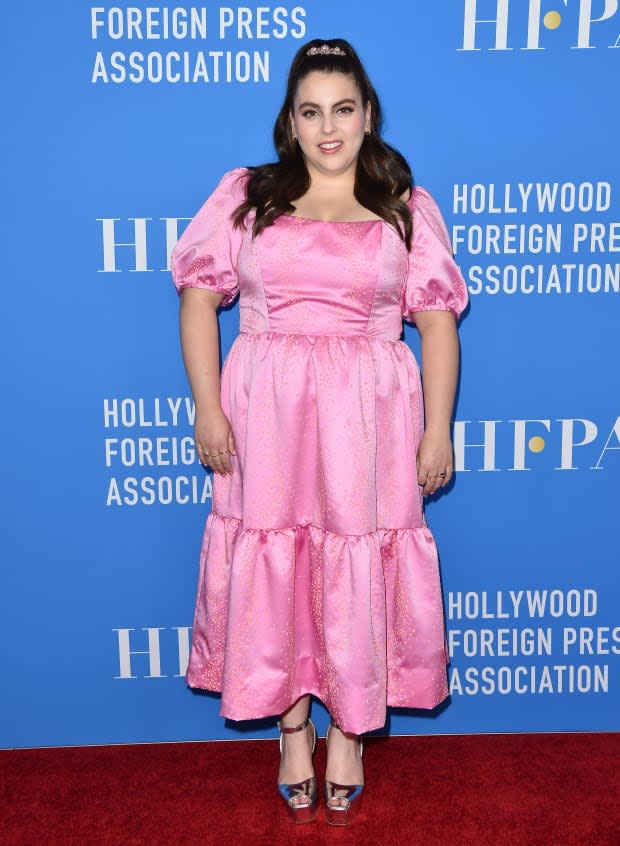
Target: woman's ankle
x=297 y=714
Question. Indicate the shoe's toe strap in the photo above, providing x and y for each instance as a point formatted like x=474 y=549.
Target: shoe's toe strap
x=340 y=796
x=295 y=793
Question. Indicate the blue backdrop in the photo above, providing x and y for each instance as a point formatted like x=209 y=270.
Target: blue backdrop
x=119 y=125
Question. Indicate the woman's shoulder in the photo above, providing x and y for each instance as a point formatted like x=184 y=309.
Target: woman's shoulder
x=427 y=215
x=423 y=204
x=231 y=189
x=417 y=193
x=235 y=178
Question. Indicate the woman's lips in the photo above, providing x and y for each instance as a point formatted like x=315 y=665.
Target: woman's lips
x=328 y=147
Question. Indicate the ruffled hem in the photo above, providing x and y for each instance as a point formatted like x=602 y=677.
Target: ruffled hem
x=356 y=620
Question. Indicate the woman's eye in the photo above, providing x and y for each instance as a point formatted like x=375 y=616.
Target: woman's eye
x=312 y=112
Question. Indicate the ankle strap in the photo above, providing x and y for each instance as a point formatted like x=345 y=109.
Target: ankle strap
x=291 y=729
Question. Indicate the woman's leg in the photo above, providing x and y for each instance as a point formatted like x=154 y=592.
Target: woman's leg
x=344 y=762
x=296 y=759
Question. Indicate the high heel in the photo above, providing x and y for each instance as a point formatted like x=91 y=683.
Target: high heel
x=342 y=809
x=305 y=810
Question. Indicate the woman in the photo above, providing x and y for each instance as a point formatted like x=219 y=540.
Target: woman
x=318 y=573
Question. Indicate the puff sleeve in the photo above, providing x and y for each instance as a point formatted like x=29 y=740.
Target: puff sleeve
x=434 y=281
x=205 y=256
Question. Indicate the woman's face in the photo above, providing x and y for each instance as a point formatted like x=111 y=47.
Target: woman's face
x=329 y=121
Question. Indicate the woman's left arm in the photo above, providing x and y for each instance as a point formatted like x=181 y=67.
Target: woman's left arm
x=440 y=356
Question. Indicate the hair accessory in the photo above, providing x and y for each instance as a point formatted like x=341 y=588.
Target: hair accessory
x=325 y=50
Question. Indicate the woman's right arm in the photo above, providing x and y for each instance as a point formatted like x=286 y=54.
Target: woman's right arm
x=203 y=264
x=200 y=346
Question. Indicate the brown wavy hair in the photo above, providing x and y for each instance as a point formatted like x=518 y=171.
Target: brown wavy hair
x=382 y=173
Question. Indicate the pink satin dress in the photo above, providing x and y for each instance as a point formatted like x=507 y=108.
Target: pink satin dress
x=318 y=573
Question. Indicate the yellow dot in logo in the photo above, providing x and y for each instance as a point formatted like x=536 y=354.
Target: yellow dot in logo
x=552 y=20
x=536 y=444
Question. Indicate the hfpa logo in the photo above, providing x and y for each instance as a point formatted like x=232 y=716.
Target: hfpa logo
x=520 y=23
x=174 y=646
x=567 y=443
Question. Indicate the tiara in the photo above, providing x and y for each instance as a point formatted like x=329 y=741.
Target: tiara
x=324 y=50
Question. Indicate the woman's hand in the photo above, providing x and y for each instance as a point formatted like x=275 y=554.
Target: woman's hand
x=434 y=458
x=214 y=440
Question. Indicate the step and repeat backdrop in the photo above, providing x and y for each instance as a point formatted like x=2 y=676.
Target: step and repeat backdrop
x=121 y=120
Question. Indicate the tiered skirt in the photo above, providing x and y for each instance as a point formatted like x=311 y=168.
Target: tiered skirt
x=318 y=573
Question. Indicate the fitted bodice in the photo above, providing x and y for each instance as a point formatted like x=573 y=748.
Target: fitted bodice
x=315 y=277
x=322 y=277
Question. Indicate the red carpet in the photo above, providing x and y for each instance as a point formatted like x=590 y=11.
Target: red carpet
x=487 y=790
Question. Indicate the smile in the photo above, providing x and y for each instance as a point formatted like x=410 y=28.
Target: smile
x=330 y=146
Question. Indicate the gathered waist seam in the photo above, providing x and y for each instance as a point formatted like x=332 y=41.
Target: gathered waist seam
x=324 y=335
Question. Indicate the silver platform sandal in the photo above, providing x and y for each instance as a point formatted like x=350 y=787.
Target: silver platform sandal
x=302 y=797
x=342 y=801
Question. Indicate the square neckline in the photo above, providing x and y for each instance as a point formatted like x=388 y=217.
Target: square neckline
x=370 y=220
x=317 y=220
